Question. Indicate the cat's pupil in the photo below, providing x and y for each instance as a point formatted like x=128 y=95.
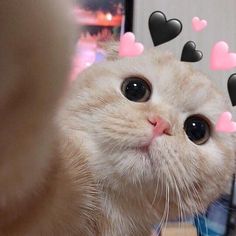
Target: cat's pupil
x=197 y=129
x=136 y=89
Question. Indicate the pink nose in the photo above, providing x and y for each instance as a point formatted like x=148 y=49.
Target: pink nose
x=161 y=126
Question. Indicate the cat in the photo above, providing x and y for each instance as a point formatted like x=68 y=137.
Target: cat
x=129 y=144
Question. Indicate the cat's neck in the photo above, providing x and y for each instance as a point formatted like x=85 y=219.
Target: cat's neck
x=126 y=209
x=127 y=214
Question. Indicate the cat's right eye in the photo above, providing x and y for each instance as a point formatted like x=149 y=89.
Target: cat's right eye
x=136 y=89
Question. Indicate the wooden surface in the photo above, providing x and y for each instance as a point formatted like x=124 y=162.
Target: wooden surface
x=176 y=230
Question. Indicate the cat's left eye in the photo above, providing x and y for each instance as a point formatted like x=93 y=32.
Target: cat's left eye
x=136 y=89
x=197 y=129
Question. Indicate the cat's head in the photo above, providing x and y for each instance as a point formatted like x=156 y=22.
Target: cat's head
x=149 y=123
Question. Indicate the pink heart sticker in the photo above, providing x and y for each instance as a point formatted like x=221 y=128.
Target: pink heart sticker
x=221 y=59
x=128 y=47
x=198 y=25
x=225 y=123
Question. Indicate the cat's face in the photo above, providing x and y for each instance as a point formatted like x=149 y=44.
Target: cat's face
x=136 y=116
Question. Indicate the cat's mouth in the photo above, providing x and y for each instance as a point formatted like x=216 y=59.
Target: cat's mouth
x=144 y=149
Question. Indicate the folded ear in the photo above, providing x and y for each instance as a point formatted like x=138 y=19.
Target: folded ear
x=234 y=139
x=111 y=50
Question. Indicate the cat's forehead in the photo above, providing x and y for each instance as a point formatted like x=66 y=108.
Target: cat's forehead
x=172 y=81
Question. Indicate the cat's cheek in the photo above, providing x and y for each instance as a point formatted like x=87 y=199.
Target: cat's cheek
x=213 y=156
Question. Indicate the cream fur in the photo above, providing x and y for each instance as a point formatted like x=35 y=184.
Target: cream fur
x=141 y=188
x=78 y=170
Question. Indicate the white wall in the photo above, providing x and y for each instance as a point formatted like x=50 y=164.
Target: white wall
x=221 y=17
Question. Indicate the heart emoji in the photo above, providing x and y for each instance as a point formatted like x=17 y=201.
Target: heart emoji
x=232 y=89
x=190 y=54
x=221 y=59
x=162 y=30
x=225 y=123
x=128 y=47
x=198 y=25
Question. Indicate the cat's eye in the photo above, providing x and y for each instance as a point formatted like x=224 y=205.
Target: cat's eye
x=136 y=89
x=197 y=129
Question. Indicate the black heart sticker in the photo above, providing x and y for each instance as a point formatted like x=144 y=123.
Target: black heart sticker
x=162 y=30
x=190 y=54
x=232 y=88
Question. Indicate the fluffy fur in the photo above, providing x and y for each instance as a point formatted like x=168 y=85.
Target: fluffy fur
x=175 y=176
x=80 y=169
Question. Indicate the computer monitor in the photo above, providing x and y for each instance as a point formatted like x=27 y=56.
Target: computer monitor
x=98 y=21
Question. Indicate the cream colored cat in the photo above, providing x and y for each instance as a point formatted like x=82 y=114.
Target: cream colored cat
x=133 y=144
